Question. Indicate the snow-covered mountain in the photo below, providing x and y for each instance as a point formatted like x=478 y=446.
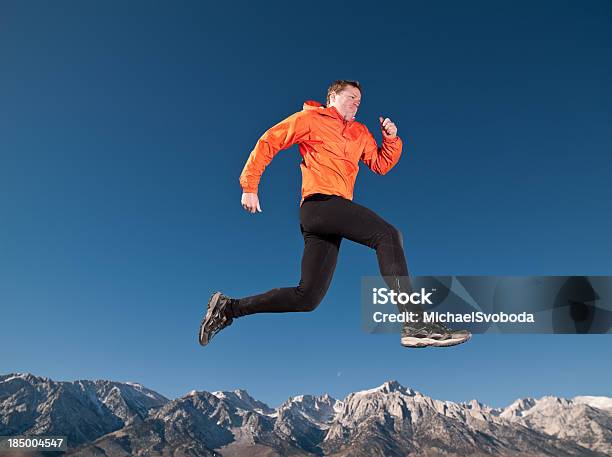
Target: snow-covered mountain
x=124 y=419
x=80 y=410
x=584 y=420
x=395 y=420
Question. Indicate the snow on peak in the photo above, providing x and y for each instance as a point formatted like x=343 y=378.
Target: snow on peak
x=24 y=376
x=11 y=376
x=519 y=407
x=604 y=403
x=474 y=404
x=524 y=407
x=387 y=388
x=241 y=399
x=241 y=393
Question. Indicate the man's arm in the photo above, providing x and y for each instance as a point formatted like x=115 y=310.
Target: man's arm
x=381 y=160
x=282 y=136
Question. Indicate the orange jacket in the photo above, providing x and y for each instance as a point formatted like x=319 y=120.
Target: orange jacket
x=331 y=149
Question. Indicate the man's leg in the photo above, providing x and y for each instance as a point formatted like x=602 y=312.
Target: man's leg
x=318 y=265
x=341 y=217
x=344 y=218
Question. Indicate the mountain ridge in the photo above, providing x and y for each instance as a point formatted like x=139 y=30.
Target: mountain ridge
x=119 y=419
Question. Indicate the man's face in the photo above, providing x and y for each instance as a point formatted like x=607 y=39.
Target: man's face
x=346 y=101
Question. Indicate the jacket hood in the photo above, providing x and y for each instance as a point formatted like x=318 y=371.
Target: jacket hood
x=313 y=105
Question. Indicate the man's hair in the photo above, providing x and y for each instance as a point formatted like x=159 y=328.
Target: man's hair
x=339 y=85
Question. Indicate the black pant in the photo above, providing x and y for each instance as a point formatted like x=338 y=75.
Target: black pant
x=325 y=220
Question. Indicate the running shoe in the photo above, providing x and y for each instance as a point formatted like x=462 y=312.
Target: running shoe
x=422 y=335
x=216 y=319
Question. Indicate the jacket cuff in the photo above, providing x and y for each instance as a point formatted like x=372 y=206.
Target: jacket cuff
x=249 y=190
x=391 y=140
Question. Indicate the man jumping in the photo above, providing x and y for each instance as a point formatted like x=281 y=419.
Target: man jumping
x=331 y=143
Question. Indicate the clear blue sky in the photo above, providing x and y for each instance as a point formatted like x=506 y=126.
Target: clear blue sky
x=124 y=127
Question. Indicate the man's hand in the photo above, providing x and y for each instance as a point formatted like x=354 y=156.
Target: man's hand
x=250 y=202
x=389 y=130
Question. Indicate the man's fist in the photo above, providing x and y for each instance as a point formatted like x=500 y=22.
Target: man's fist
x=389 y=130
x=250 y=202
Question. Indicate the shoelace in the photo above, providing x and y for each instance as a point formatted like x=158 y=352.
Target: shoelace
x=219 y=321
x=441 y=328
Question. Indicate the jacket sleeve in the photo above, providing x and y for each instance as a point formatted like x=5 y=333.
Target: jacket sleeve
x=381 y=160
x=282 y=136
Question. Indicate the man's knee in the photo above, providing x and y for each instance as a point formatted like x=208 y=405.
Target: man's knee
x=398 y=236
x=391 y=235
x=308 y=299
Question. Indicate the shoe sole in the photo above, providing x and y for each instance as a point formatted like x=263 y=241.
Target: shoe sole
x=212 y=305
x=412 y=342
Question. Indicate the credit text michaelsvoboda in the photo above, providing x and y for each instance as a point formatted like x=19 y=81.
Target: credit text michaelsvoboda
x=383 y=296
